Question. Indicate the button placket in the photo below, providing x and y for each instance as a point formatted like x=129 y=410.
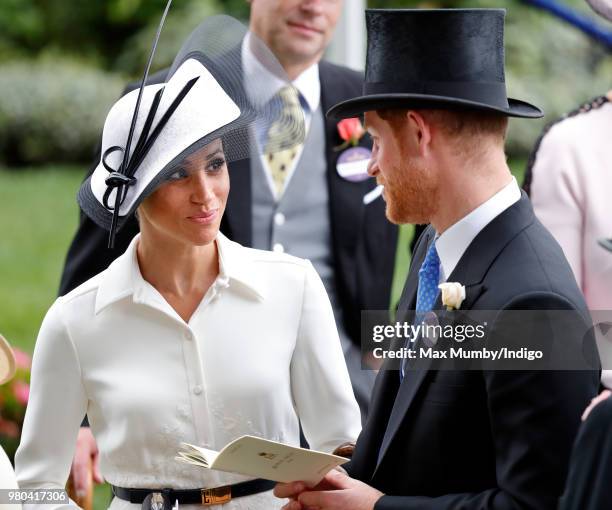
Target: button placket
x=279 y=219
x=198 y=398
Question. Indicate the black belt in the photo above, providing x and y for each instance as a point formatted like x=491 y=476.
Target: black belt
x=206 y=497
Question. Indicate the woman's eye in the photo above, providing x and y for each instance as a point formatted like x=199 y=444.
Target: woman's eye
x=181 y=173
x=215 y=165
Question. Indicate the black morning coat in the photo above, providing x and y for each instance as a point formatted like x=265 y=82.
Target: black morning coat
x=476 y=440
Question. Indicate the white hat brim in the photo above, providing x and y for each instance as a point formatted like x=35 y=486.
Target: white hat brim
x=8 y=365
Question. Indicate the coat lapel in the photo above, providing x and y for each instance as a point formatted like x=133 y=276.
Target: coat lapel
x=407 y=389
x=236 y=222
x=470 y=271
x=238 y=212
x=346 y=206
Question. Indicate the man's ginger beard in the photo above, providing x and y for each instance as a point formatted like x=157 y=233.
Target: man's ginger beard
x=412 y=195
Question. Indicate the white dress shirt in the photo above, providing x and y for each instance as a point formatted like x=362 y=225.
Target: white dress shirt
x=264 y=84
x=260 y=351
x=453 y=242
x=7 y=480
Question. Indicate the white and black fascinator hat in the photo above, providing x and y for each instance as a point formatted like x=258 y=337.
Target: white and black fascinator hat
x=151 y=130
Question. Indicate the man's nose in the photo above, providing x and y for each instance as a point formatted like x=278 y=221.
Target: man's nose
x=372 y=167
x=373 y=163
x=313 y=6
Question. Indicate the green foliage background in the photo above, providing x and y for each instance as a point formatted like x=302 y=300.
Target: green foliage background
x=63 y=63
x=51 y=117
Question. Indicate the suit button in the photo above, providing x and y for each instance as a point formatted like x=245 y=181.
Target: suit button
x=197 y=390
x=278 y=248
x=279 y=219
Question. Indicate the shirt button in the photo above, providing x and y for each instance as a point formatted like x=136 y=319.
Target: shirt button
x=197 y=389
x=279 y=219
x=278 y=248
x=188 y=335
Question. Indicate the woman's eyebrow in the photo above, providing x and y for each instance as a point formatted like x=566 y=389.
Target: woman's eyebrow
x=217 y=152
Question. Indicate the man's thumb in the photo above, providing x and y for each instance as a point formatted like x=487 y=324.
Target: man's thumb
x=338 y=479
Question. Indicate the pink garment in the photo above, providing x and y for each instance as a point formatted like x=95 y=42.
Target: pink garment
x=571 y=193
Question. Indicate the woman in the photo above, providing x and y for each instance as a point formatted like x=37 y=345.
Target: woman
x=569 y=178
x=187 y=337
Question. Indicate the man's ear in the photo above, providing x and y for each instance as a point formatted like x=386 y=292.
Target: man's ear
x=420 y=131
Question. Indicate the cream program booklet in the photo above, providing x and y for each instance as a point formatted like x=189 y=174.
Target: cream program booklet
x=262 y=458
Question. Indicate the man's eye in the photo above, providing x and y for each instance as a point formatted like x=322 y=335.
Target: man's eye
x=215 y=165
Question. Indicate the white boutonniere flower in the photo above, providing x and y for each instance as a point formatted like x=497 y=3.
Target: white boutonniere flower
x=453 y=294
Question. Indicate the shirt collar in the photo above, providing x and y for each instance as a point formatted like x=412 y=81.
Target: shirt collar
x=123 y=277
x=453 y=242
x=268 y=84
x=236 y=266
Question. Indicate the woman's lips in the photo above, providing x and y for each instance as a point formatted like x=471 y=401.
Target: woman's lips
x=205 y=217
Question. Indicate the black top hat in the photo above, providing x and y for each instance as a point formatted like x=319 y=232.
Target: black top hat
x=435 y=58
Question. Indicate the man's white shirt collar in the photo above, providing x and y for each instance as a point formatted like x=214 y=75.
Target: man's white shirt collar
x=264 y=84
x=453 y=242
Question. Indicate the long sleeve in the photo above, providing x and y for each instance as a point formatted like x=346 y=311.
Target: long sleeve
x=320 y=382
x=56 y=407
x=534 y=415
x=557 y=195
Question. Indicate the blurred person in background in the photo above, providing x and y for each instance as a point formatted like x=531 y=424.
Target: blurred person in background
x=306 y=209
x=569 y=181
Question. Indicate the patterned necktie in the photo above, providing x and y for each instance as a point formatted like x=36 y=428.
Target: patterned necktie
x=427 y=292
x=281 y=147
x=429 y=279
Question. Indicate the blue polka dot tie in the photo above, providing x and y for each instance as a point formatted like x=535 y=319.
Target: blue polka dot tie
x=427 y=292
x=429 y=279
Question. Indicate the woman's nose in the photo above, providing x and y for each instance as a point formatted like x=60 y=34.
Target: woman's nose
x=201 y=188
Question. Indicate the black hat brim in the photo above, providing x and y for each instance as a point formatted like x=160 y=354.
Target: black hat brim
x=357 y=106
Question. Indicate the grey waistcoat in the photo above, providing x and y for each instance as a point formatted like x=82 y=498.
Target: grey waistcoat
x=299 y=222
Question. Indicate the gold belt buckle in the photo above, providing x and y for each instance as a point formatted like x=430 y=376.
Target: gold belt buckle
x=216 y=496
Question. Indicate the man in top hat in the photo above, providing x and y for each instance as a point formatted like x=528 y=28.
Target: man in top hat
x=436 y=108
x=313 y=212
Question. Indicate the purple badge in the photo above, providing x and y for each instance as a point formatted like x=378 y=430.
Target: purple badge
x=353 y=164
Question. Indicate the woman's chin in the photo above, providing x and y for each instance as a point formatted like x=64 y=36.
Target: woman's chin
x=202 y=234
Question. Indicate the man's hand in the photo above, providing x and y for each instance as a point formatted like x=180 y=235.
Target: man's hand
x=86 y=453
x=599 y=398
x=337 y=491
